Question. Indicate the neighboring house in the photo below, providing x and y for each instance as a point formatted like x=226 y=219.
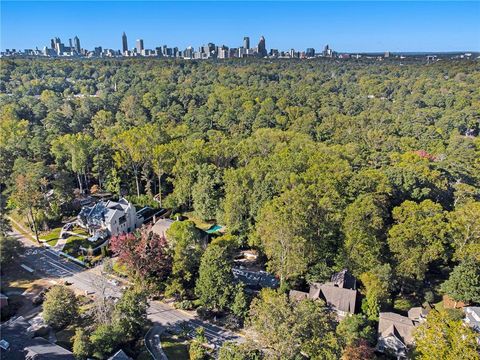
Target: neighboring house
x=120 y=355
x=3 y=300
x=472 y=317
x=418 y=314
x=115 y=217
x=255 y=280
x=161 y=226
x=40 y=349
x=343 y=301
x=395 y=331
x=340 y=293
x=344 y=279
x=18 y=342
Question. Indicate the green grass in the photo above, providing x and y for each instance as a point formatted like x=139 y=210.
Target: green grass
x=80 y=231
x=203 y=225
x=174 y=347
x=72 y=247
x=52 y=236
x=18 y=219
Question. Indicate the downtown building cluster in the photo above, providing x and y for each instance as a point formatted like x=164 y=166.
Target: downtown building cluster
x=57 y=48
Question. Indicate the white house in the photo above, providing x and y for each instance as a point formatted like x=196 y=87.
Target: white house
x=472 y=317
x=115 y=217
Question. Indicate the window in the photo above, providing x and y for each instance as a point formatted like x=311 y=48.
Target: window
x=122 y=219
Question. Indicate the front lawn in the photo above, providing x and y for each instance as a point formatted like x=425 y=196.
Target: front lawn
x=52 y=236
x=80 y=231
x=174 y=347
x=72 y=247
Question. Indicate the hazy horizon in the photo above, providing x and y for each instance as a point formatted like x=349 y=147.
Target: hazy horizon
x=345 y=26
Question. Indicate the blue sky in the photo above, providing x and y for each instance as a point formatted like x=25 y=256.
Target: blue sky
x=346 y=26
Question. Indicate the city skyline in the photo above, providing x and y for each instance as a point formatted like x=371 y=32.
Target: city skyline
x=348 y=27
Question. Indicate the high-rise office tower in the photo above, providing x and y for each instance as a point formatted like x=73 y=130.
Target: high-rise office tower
x=70 y=43
x=124 y=43
x=139 y=45
x=262 y=49
x=246 y=42
x=59 y=48
x=76 y=44
x=52 y=44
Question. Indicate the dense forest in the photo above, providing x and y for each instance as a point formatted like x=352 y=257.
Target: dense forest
x=319 y=165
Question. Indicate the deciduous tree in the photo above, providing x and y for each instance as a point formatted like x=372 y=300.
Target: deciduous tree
x=60 y=307
x=441 y=337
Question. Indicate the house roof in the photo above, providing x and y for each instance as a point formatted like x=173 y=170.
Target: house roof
x=337 y=297
x=417 y=313
x=3 y=296
x=103 y=211
x=390 y=323
x=120 y=355
x=161 y=226
x=344 y=279
x=296 y=295
x=40 y=349
x=472 y=316
x=22 y=346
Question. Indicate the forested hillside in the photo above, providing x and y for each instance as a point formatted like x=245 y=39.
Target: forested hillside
x=319 y=165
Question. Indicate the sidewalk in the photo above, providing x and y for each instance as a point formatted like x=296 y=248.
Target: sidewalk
x=21 y=229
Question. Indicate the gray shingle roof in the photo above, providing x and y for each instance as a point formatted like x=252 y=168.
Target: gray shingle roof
x=339 y=298
x=402 y=327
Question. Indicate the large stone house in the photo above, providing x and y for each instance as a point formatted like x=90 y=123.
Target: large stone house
x=110 y=216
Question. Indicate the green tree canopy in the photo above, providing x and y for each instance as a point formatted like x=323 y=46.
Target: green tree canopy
x=60 y=307
x=418 y=237
x=463 y=283
x=441 y=337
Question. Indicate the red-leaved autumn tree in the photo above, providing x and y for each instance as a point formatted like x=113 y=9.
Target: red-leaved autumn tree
x=144 y=253
x=361 y=350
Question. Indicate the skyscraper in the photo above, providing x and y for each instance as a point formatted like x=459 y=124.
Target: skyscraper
x=310 y=52
x=262 y=49
x=246 y=42
x=59 y=48
x=76 y=44
x=139 y=45
x=124 y=43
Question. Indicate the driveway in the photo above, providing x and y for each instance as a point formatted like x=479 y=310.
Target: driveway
x=152 y=342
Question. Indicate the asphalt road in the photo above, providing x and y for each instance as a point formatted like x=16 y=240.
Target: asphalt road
x=50 y=265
